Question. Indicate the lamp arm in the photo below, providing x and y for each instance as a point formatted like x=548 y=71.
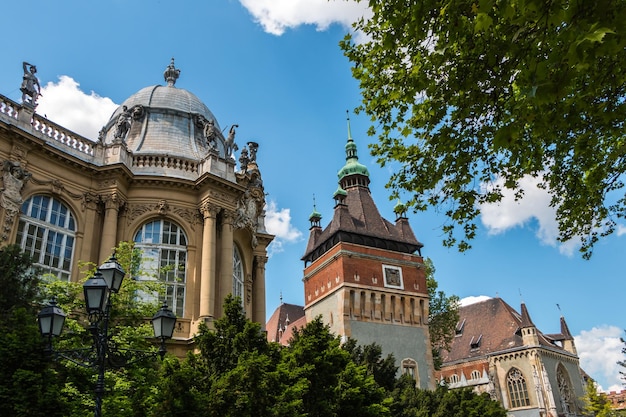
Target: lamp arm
x=82 y=357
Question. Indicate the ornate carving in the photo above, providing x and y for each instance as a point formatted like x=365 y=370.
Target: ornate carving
x=108 y=183
x=111 y=201
x=248 y=289
x=260 y=261
x=209 y=210
x=137 y=112
x=163 y=207
x=14 y=178
x=89 y=200
x=192 y=217
x=136 y=210
x=244 y=159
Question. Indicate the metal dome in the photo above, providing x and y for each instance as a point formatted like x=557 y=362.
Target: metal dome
x=165 y=120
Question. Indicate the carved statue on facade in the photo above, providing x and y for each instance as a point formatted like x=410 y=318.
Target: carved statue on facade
x=253 y=146
x=122 y=126
x=230 y=145
x=30 y=85
x=244 y=160
x=14 y=177
x=209 y=133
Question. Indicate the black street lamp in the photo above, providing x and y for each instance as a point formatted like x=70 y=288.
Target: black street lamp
x=97 y=291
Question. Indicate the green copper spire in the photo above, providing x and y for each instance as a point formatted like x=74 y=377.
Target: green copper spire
x=352 y=165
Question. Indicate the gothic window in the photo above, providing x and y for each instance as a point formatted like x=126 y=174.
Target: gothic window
x=164 y=257
x=475 y=374
x=516 y=384
x=409 y=367
x=454 y=378
x=237 y=275
x=46 y=232
x=565 y=391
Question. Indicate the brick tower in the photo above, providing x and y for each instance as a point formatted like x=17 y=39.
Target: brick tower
x=364 y=275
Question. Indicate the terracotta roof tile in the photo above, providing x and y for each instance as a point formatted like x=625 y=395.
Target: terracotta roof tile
x=489 y=327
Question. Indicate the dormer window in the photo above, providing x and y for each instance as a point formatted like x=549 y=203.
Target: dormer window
x=458 y=330
x=475 y=342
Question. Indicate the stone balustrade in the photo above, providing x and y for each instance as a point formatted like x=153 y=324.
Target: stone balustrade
x=47 y=128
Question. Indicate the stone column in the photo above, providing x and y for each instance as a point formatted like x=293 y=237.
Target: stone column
x=108 y=241
x=226 y=260
x=207 y=271
x=258 y=290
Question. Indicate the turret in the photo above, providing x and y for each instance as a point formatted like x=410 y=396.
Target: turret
x=528 y=328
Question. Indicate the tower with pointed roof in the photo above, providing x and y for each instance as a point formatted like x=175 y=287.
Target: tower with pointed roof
x=364 y=274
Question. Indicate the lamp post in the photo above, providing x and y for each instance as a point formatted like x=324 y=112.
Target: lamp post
x=97 y=291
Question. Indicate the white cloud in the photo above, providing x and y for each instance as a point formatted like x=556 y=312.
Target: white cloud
x=276 y=16
x=473 y=299
x=621 y=229
x=535 y=204
x=278 y=223
x=65 y=104
x=599 y=349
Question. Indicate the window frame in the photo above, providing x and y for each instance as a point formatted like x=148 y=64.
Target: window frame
x=167 y=241
x=48 y=222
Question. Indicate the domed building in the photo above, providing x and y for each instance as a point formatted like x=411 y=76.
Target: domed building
x=161 y=174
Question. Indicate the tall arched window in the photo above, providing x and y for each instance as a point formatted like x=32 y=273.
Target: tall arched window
x=518 y=393
x=164 y=256
x=237 y=275
x=47 y=232
x=567 y=397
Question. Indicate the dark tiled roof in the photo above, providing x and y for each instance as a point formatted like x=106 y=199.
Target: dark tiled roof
x=489 y=327
x=283 y=317
x=358 y=221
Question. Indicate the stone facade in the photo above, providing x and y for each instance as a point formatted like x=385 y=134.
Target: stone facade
x=66 y=198
x=500 y=351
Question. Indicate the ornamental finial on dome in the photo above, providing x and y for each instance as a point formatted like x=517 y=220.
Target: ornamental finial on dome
x=171 y=74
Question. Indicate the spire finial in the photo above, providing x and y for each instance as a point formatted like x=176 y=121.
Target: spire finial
x=281 y=298
x=171 y=74
x=349 y=131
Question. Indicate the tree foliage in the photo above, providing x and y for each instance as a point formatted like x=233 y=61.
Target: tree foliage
x=443 y=314
x=129 y=379
x=596 y=403
x=442 y=402
x=27 y=386
x=469 y=97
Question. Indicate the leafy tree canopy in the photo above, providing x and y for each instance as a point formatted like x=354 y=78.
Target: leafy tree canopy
x=471 y=96
x=443 y=314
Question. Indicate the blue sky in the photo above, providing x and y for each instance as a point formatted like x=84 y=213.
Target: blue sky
x=274 y=68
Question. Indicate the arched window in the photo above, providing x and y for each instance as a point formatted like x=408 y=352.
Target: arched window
x=454 y=378
x=237 y=275
x=475 y=374
x=567 y=397
x=47 y=232
x=164 y=256
x=518 y=393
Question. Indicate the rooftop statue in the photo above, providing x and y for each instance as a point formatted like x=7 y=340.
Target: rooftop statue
x=30 y=85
